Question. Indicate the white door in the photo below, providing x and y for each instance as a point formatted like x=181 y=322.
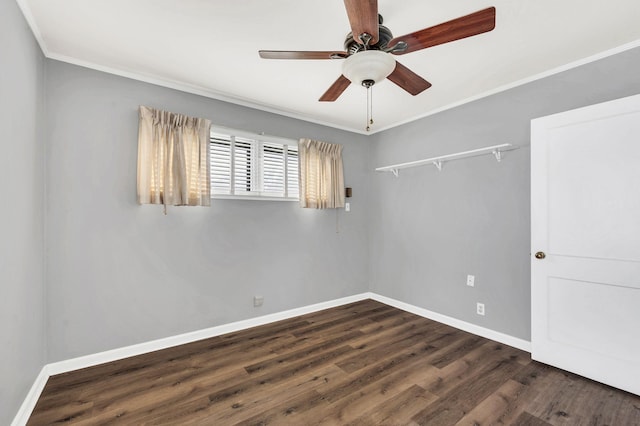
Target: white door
x=585 y=217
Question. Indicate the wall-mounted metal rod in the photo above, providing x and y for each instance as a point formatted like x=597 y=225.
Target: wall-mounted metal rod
x=496 y=150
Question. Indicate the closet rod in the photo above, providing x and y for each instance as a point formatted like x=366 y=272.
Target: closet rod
x=496 y=150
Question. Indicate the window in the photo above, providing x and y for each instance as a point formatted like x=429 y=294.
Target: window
x=252 y=166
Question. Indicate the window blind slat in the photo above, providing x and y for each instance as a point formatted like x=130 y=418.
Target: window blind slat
x=220 y=165
x=273 y=169
x=259 y=168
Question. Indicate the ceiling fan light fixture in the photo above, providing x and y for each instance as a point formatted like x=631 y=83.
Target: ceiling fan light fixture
x=368 y=65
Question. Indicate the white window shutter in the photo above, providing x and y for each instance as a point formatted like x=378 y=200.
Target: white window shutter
x=250 y=167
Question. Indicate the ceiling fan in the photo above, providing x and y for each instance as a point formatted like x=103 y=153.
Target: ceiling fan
x=370 y=45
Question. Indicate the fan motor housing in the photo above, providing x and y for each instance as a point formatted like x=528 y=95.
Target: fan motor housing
x=384 y=37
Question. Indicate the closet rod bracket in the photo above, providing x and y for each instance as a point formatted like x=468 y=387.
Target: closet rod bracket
x=498 y=155
x=438 y=164
x=395 y=172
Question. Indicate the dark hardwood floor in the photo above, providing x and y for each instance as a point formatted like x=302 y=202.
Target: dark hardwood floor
x=362 y=364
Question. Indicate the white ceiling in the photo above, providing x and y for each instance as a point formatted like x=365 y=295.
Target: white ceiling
x=211 y=47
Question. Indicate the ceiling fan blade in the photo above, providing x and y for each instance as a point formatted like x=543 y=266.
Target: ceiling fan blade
x=363 y=17
x=408 y=80
x=336 y=89
x=466 y=26
x=286 y=54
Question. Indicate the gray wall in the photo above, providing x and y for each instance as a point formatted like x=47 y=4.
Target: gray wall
x=430 y=229
x=119 y=273
x=21 y=214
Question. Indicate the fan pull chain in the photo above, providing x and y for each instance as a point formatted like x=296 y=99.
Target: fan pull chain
x=369 y=107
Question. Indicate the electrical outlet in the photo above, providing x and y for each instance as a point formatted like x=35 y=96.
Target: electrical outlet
x=471 y=280
x=347 y=207
x=480 y=308
x=258 y=301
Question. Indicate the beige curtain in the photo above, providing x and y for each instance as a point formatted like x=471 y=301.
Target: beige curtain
x=321 y=174
x=173 y=160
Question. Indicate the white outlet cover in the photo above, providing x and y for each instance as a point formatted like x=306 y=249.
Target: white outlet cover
x=347 y=207
x=480 y=308
x=471 y=280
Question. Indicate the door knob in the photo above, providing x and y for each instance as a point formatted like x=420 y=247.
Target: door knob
x=540 y=255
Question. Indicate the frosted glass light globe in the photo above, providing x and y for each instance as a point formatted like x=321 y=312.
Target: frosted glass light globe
x=372 y=65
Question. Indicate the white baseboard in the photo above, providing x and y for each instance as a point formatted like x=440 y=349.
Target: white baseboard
x=115 y=354
x=181 y=339
x=52 y=369
x=453 y=322
x=31 y=399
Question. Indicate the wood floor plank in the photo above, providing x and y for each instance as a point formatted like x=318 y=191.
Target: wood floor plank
x=158 y=362
x=262 y=383
x=529 y=383
x=476 y=362
x=346 y=312
x=353 y=405
x=338 y=323
x=222 y=369
x=286 y=412
x=274 y=362
x=386 y=327
x=361 y=363
x=570 y=399
x=398 y=409
x=376 y=372
x=252 y=404
x=452 y=406
x=403 y=338
x=456 y=351
x=490 y=411
x=526 y=419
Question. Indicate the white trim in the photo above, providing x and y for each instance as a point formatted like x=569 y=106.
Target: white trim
x=198 y=90
x=181 y=339
x=31 y=21
x=31 y=399
x=226 y=131
x=459 y=324
x=522 y=82
x=115 y=354
x=251 y=197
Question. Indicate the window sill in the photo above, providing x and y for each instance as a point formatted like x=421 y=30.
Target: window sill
x=252 y=198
